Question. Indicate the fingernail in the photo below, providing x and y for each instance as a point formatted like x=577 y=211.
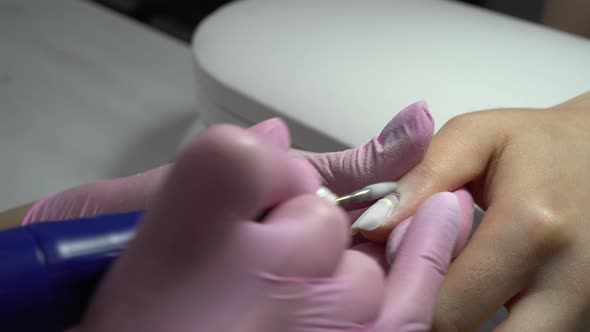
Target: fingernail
x=376 y=215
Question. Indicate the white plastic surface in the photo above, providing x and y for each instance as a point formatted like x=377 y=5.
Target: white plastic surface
x=338 y=70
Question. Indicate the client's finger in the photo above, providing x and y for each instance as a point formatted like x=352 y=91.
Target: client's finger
x=459 y=153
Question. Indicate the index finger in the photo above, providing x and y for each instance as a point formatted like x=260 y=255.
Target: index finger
x=459 y=153
x=420 y=265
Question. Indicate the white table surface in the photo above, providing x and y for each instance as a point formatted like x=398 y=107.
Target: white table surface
x=343 y=68
x=85 y=94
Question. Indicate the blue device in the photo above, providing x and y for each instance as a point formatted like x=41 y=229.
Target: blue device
x=49 y=270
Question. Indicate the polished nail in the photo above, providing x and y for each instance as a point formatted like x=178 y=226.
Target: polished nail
x=376 y=215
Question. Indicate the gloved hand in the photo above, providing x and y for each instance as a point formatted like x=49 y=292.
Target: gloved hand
x=388 y=156
x=200 y=263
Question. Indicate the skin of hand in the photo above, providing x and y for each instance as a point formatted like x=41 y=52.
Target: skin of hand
x=200 y=263
x=529 y=170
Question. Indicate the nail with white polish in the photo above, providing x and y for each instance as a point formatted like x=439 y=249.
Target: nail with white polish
x=376 y=215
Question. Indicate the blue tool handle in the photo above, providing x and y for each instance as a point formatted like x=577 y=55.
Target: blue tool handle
x=49 y=270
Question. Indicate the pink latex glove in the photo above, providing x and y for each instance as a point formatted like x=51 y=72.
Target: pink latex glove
x=387 y=157
x=199 y=262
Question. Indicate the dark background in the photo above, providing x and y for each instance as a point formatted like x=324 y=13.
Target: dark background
x=179 y=18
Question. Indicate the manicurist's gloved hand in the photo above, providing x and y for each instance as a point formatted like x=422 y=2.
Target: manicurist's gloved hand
x=399 y=147
x=200 y=262
x=529 y=169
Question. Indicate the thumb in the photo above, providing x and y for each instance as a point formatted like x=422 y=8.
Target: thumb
x=459 y=153
x=399 y=146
